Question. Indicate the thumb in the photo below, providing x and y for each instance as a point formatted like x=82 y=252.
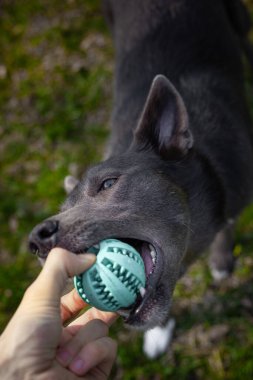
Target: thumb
x=60 y=265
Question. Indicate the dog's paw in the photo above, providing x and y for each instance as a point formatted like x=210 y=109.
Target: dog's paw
x=222 y=266
x=158 y=339
x=222 y=260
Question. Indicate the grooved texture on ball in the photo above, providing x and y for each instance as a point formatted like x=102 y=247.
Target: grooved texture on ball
x=114 y=280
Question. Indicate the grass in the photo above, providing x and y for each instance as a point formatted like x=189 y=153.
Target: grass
x=55 y=76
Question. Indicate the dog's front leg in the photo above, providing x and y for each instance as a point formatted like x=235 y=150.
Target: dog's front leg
x=222 y=260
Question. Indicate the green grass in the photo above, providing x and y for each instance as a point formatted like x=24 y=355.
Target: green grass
x=56 y=83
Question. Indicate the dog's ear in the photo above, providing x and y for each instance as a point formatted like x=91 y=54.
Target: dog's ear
x=70 y=183
x=163 y=125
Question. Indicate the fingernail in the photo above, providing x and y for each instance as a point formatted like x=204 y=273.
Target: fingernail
x=77 y=366
x=88 y=258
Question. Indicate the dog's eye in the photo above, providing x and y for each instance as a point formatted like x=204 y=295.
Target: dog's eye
x=107 y=184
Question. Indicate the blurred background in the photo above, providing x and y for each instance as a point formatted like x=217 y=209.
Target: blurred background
x=56 y=66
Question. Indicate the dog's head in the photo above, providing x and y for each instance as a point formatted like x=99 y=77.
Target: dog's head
x=132 y=197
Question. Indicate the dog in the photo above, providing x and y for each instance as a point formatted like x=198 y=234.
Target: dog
x=178 y=167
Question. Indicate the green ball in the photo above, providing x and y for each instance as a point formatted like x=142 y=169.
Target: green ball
x=114 y=281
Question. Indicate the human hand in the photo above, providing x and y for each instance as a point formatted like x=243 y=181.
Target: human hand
x=35 y=344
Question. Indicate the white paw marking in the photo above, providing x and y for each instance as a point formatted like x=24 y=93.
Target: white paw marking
x=158 y=339
x=219 y=275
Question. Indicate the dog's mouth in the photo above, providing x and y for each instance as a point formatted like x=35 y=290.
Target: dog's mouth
x=152 y=257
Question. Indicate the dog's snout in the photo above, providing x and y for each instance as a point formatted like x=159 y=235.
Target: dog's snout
x=43 y=237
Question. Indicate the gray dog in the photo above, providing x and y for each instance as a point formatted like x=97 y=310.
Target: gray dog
x=178 y=167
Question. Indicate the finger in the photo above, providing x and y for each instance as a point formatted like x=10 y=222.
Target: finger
x=65 y=337
x=60 y=266
x=93 y=330
x=72 y=329
x=106 y=316
x=99 y=354
x=71 y=304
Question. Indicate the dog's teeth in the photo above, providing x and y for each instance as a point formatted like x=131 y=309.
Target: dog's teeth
x=153 y=255
x=142 y=291
x=123 y=313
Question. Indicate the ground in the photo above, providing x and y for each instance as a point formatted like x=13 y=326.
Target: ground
x=56 y=70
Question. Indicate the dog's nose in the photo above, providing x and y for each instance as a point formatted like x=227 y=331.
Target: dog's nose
x=43 y=237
